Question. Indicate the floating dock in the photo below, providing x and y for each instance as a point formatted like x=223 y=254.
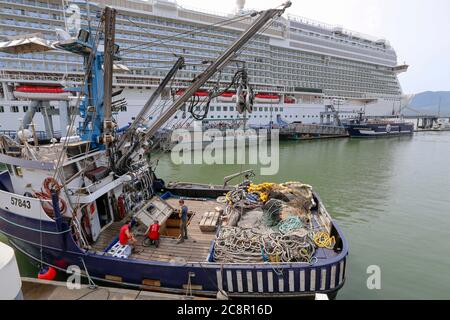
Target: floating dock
x=34 y=289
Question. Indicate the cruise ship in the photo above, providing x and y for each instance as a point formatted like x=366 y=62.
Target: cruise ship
x=298 y=68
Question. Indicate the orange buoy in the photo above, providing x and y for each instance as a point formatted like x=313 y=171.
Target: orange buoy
x=47 y=273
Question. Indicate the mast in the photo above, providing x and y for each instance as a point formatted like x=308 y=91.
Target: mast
x=109 y=23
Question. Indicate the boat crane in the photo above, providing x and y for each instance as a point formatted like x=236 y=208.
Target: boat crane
x=214 y=67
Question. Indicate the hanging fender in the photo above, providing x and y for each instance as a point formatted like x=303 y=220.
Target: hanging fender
x=249 y=100
x=240 y=100
x=121 y=205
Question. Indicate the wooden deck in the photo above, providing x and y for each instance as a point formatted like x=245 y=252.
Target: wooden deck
x=194 y=249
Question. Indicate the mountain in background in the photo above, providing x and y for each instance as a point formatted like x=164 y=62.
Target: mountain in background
x=428 y=103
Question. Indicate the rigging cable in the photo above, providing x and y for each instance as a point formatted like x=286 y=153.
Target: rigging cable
x=194 y=31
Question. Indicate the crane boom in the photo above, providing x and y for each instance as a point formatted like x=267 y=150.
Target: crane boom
x=140 y=117
x=217 y=65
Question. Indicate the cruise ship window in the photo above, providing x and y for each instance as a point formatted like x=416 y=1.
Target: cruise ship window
x=211 y=108
x=14 y=109
x=2 y=109
x=225 y=108
x=231 y=108
x=25 y=108
x=219 y=108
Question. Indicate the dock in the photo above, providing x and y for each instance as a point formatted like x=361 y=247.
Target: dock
x=34 y=289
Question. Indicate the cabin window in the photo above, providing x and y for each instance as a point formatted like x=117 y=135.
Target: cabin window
x=2 y=109
x=14 y=109
x=18 y=171
x=10 y=170
x=25 y=108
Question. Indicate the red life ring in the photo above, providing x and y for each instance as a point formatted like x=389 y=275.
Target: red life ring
x=47 y=273
x=51 y=182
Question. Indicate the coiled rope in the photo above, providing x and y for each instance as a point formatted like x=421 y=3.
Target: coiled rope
x=323 y=240
x=237 y=245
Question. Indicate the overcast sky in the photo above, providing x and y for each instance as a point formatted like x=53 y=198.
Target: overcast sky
x=419 y=30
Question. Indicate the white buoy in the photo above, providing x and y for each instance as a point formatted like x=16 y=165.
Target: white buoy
x=11 y=284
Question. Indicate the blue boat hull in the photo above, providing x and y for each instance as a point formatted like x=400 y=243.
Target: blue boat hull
x=207 y=278
x=374 y=130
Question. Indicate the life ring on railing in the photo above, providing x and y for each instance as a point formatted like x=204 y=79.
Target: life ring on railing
x=48 y=185
x=49 y=182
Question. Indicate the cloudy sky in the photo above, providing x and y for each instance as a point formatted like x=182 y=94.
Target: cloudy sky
x=419 y=30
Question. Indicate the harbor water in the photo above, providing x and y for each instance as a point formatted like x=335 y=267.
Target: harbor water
x=391 y=197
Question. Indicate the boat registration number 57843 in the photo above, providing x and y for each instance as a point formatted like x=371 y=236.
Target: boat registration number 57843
x=26 y=204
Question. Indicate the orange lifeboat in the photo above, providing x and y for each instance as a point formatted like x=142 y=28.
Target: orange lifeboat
x=227 y=97
x=289 y=100
x=41 y=93
x=267 y=98
x=197 y=94
x=200 y=94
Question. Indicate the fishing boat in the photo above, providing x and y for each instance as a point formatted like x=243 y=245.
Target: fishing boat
x=63 y=203
x=376 y=128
